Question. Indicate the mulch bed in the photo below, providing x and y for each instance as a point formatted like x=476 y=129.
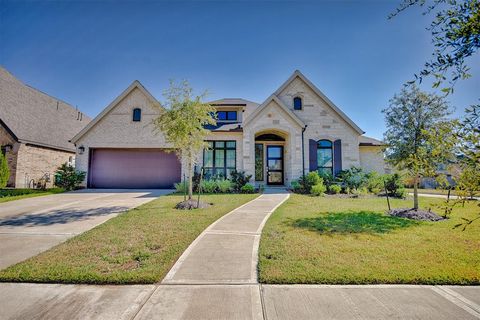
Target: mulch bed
x=413 y=214
x=192 y=204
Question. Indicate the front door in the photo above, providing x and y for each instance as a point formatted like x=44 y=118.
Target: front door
x=275 y=165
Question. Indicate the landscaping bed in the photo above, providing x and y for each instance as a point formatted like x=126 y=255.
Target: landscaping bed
x=138 y=246
x=327 y=240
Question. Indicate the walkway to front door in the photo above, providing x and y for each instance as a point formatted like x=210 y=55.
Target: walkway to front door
x=226 y=252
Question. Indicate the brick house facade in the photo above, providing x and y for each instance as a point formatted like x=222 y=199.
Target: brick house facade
x=35 y=130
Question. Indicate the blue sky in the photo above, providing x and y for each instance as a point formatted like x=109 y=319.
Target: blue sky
x=87 y=53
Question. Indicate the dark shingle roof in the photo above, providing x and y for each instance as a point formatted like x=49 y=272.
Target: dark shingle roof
x=367 y=141
x=37 y=118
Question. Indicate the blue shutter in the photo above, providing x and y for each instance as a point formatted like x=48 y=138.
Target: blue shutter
x=337 y=156
x=312 y=155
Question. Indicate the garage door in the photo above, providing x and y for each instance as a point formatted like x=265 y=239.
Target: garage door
x=133 y=168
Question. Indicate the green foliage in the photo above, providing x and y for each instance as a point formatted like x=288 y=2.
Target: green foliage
x=374 y=182
x=248 y=188
x=353 y=178
x=335 y=189
x=208 y=186
x=181 y=187
x=4 y=171
x=327 y=177
x=183 y=122
x=455 y=36
x=224 y=185
x=419 y=136
x=395 y=186
x=239 y=179
x=318 y=189
x=469 y=180
x=20 y=192
x=68 y=178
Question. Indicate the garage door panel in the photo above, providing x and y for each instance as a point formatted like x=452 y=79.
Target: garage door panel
x=133 y=168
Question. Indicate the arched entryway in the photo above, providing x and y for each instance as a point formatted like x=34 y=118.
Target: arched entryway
x=270 y=157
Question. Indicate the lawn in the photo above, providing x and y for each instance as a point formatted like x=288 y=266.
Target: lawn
x=350 y=241
x=139 y=246
x=16 y=194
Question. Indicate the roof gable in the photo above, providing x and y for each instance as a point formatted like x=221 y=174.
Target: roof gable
x=279 y=102
x=135 y=85
x=298 y=74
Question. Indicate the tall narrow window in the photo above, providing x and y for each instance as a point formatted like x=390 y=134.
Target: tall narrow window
x=325 y=156
x=137 y=114
x=220 y=158
x=258 y=162
x=297 y=103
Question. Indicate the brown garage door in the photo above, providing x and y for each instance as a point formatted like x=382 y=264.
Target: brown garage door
x=133 y=168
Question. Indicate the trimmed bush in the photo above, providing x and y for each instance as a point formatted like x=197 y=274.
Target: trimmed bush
x=239 y=179
x=248 y=188
x=208 y=186
x=395 y=186
x=68 y=178
x=327 y=177
x=4 y=171
x=318 y=189
x=353 y=178
x=181 y=187
x=224 y=185
x=335 y=189
x=374 y=182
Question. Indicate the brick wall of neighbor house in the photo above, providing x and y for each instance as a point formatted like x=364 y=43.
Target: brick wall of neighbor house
x=34 y=162
x=322 y=122
x=11 y=155
x=118 y=130
x=371 y=159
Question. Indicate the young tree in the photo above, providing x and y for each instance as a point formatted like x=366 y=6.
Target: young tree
x=183 y=122
x=4 y=171
x=455 y=36
x=419 y=136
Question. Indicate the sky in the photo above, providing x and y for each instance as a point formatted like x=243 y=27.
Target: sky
x=87 y=52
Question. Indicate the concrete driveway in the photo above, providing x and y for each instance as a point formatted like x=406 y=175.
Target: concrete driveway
x=30 y=226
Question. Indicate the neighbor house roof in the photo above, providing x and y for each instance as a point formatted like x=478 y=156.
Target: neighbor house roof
x=35 y=117
x=336 y=109
x=367 y=141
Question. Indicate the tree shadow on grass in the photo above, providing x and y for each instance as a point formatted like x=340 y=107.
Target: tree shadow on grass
x=353 y=222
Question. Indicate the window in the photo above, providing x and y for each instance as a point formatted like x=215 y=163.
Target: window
x=137 y=114
x=227 y=115
x=219 y=158
x=325 y=156
x=297 y=103
x=258 y=162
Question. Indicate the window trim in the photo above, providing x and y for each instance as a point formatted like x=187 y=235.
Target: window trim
x=225 y=168
x=227 y=115
x=301 y=103
x=326 y=148
x=134 y=115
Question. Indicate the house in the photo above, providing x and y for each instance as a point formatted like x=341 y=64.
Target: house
x=35 y=129
x=296 y=129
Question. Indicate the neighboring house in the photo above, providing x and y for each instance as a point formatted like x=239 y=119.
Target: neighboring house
x=296 y=129
x=35 y=129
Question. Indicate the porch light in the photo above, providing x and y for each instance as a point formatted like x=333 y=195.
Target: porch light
x=81 y=150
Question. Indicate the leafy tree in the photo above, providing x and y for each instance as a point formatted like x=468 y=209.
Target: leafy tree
x=68 y=178
x=455 y=35
x=183 y=122
x=4 y=171
x=419 y=136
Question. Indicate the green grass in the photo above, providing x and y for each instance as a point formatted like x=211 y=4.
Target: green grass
x=350 y=241
x=16 y=194
x=139 y=246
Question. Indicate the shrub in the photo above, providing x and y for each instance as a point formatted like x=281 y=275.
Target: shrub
x=181 y=187
x=68 y=178
x=248 y=188
x=327 y=177
x=374 y=182
x=353 y=178
x=208 y=186
x=394 y=185
x=297 y=187
x=4 y=171
x=239 y=179
x=318 y=189
x=335 y=188
x=224 y=185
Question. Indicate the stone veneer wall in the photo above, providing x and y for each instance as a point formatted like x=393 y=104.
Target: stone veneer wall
x=371 y=159
x=11 y=155
x=34 y=162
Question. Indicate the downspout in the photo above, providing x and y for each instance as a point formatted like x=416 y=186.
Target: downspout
x=303 y=152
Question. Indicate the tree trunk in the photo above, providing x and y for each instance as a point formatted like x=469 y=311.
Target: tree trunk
x=415 y=192
x=190 y=180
